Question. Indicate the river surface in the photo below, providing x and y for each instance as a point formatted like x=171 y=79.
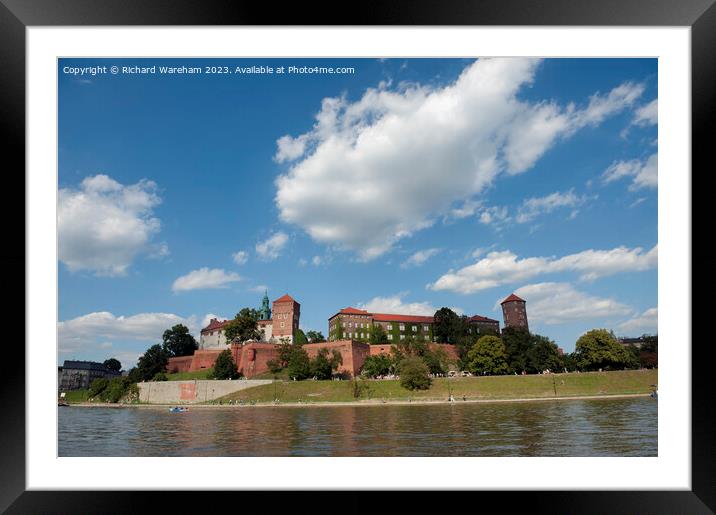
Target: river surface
x=612 y=427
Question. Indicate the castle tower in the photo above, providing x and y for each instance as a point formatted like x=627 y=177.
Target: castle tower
x=286 y=317
x=514 y=312
x=265 y=311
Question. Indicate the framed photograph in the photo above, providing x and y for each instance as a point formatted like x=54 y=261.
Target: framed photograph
x=340 y=257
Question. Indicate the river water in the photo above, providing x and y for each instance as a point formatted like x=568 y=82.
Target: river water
x=603 y=427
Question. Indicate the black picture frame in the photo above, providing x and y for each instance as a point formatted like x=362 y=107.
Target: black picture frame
x=17 y=15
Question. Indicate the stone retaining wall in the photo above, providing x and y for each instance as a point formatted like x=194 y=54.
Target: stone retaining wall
x=190 y=392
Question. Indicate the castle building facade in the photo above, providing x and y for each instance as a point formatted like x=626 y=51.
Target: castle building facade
x=514 y=312
x=78 y=375
x=275 y=324
x=358 y=324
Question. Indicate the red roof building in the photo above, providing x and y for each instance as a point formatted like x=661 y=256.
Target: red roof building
x=512 y=298
x=214 y=325
x=514 y=312
x=359 y=324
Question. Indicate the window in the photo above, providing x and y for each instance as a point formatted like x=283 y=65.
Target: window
x=389 y=327
x=390 y=336
x=402 y=337
x=415 y=328
x=282 y=324
x=402 y=327
x=426 y=328
x=361 y=334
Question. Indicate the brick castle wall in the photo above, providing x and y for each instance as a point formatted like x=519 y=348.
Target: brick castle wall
x=251 y=358
x=352 y=352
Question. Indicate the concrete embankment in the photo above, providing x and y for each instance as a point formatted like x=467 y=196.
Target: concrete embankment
x=190 y=392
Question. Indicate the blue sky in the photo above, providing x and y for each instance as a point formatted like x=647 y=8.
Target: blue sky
x=405 y=186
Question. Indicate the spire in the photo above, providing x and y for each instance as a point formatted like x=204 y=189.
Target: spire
x=265 y=311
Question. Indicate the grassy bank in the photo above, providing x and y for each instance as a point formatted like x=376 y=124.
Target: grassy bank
x=471 y=388
x=186 y=376
x=75 y=396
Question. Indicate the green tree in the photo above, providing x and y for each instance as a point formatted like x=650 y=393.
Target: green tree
x=377 y=335
x=448 y=327
x=299 y=365
x=224 y=366
x=160 y=376
x=543 y=354
x=118 y=387
x=414 y=374
x=97 y=386
x=487 y=357
x=378 y=365
x=570 y=362
x=243 y=327
x=112 y=364
x=599 y=349
x=649 y=351
x=517 y=342
x=134 y=375
x=285 y=350
x=153 y=361
x=409 y=346
x=324 y=364
x=177 y=341
x=301 y=337
x=650 y=343
x=274 y=366
x=315 y=336
x=436 y=360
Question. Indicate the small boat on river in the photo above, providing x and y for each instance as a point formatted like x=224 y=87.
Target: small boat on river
x=178 y=409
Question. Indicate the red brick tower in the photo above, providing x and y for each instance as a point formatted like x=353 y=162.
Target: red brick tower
x=514 y=312
x=286 y=315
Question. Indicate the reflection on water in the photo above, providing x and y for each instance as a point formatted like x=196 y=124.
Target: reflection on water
x=618 y=427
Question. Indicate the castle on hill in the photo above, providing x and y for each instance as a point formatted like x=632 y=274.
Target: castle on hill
x=275 y=325
x=348 y=333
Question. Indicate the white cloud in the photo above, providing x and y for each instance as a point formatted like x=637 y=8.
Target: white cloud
x=420 y=257
x=637 y=202
x=647 y=114
x=94 y=329
x=207 y=318
x=646 y=322
x=558 y=303
x=316 y=260
x=271 y=248
x=205 y=278
x=601 y=107
x=504 y=267
x=259 y=288
x=643 y=174
x=158 y=251
x=103 y=225
x=290 y=148
x=240 y=257
x=394 y=305
x=533 y=207
x=92 y=334
x=468 y=208
x=494 y=215
x=376 y=170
